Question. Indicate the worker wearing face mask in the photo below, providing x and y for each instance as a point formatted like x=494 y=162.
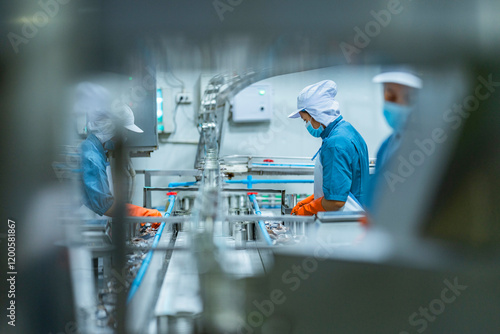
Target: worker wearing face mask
x=96 y=171
x=341 y=164
x=399 y=91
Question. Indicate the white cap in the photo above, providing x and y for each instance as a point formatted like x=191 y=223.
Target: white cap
x=319 y=101
x=126 y=116
x=102 y=123
x=95 y=101
x=402 y=78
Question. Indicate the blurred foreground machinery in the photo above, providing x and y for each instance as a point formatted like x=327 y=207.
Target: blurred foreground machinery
x=226 y=259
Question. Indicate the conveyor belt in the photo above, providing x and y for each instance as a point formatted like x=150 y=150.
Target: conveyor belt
x=179 y=301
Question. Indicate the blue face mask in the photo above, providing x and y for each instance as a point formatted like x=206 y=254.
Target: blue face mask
x=314 y=132
x=396 y=114
x=109 y=145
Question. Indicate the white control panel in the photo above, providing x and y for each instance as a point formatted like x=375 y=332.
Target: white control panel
x=253 y=104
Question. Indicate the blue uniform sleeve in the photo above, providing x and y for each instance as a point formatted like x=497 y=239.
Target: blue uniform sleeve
x=381 y=154
x=337 y=173
x=97 y=195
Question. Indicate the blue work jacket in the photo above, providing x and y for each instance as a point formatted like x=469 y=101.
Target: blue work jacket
x=97 y=194
x=344 y=157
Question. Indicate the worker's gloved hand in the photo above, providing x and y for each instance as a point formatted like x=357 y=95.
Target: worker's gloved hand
x=311 y=208
x=302 y=203
x=139 y=211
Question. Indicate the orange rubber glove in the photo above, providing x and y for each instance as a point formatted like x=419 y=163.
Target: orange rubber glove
x=365 y=221
x=302 y=203
x=310 y=209
x=139 y=211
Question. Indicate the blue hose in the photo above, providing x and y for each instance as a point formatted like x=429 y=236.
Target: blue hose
x=261 y=223
x=181 y=184
x=145 y=263
x=249 y=181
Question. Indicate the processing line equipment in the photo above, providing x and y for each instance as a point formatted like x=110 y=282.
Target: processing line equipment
x=219 y=232
x=229 y=258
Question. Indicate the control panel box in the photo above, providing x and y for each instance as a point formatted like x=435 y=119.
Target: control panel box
x=253 y=104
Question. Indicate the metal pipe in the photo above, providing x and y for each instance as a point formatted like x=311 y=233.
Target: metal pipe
x=281 y=165
x=240 y=235
x=145 y=264
x=302 y=219
x=264 y=157
x=186 y=249
x=227 y=190
x=119 y=233
x=271 y=206
x=147 y=195
x=177 y=172
x=176 y=219
x=232 y=218
x=261 y=223
x=340 y=217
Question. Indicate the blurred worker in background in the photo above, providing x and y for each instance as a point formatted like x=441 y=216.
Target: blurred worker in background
x=399 y=95
x=102 y=122
x=400 y=88
x=341 y=167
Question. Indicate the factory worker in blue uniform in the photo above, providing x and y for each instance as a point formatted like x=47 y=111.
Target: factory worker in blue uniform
x=400 y=90
x=341 y=163
x=399 y=93
x=96 y=171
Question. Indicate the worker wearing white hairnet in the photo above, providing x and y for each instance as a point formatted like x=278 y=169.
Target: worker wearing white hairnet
x=399 y=91
x=341 y=168
x=102 y=121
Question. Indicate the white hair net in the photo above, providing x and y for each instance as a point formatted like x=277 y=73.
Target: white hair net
x=95 y=102
x=319 y=101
